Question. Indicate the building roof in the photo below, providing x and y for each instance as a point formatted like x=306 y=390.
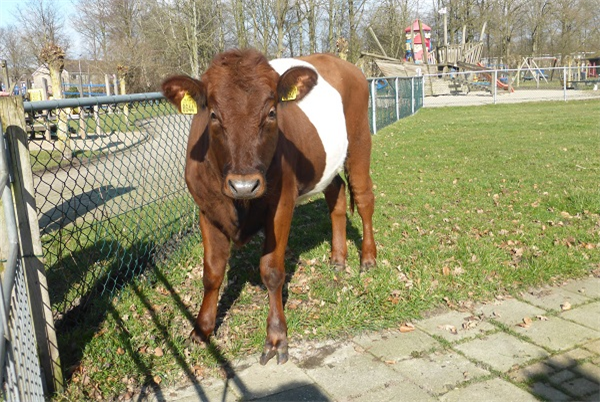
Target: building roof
x=415 y=27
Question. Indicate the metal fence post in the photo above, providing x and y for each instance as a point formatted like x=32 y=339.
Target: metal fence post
x=493 y=84
x=412 y=95
x=12 y=115
x=565 y=83
x=397 y=99
x=373 y=105
x=423 y=90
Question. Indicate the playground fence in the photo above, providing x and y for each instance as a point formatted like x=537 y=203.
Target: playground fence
x=392 y=98
x=511 y=85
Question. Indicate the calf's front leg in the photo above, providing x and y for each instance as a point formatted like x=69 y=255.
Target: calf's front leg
x=272 y=271
x=216 y=254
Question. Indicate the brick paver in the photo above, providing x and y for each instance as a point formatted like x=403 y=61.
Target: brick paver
x=554 y=355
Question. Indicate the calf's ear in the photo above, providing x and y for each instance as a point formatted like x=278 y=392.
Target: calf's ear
x=295 y=83
x=187 y=93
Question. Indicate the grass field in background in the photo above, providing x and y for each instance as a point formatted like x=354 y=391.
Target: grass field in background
x=471 y=203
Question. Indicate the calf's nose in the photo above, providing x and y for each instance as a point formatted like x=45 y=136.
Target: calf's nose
x=244 y=186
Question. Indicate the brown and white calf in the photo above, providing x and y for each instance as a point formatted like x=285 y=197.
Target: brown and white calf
x=264 y=137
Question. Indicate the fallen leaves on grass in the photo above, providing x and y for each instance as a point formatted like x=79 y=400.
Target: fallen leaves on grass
x=395 y=296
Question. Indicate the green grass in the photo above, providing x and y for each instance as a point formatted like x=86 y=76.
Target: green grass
x=472 y=202
x=46 y=160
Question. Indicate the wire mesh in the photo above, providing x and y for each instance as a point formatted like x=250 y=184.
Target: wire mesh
x=110 y=192
x=21 y=374
x=111 y=196
x=393 y=98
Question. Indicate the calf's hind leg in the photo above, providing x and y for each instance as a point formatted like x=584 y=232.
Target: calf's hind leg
x=335 y=195
x=358 y=165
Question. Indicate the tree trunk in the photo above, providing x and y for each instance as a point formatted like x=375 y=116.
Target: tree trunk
x=54 y=56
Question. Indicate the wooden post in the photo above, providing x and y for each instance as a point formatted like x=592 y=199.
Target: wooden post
x=82 y=123
x=107 y=84
x=97 y=120
x=115 y=84
x=412 y=43
x=424 y=44
x=12 y=115
x=377 y=41
x=123 y=72
x=5 y=77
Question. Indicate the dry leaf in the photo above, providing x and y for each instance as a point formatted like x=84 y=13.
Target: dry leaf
x=565 y=306
x=158 y=352
x=293 y=304
x=157 y=379
x=541 y=317
x=162 y=291
x=449 y=328
x=526 y=323
x=198 y=371
x=446 y=271
x=120 y=351
x=407 y=327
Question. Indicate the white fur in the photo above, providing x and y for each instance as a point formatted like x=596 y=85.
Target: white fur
x=323 y=107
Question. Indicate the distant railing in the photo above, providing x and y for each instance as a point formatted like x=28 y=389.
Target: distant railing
x=509 y=85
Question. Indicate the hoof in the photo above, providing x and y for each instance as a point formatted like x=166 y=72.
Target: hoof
x=198 y=338
x=338 y=266
x=269 y=351
x=367 y=265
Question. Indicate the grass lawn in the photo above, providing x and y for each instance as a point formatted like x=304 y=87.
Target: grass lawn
x=472 y=202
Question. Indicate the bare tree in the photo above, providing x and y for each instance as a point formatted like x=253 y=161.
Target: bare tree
x=388 y=21
x=40 y=24
x=93 y=25
x=11 y=49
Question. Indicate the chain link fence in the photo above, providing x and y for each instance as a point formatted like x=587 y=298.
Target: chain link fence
x=21 y=373
x=110 y=194
x=482 y=86
x=393 y=98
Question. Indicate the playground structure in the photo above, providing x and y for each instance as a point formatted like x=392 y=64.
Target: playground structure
x=422 y=59
x=418 y=43
x=583 y=70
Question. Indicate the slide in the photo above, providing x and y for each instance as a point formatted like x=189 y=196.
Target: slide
x=499 y=83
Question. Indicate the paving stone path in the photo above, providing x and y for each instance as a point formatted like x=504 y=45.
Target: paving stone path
x=542 y=345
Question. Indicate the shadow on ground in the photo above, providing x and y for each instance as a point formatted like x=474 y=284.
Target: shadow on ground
x=129 y=265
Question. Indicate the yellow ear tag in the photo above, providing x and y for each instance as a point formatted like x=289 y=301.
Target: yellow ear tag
x=188 y=105
x=291 y=95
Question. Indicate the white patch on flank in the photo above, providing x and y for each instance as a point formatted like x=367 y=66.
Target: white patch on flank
x=323 y=107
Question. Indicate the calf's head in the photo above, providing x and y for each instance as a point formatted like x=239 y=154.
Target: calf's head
x=238 y=100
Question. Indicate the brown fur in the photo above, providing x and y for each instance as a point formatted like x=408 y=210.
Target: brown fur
x=250 y=156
